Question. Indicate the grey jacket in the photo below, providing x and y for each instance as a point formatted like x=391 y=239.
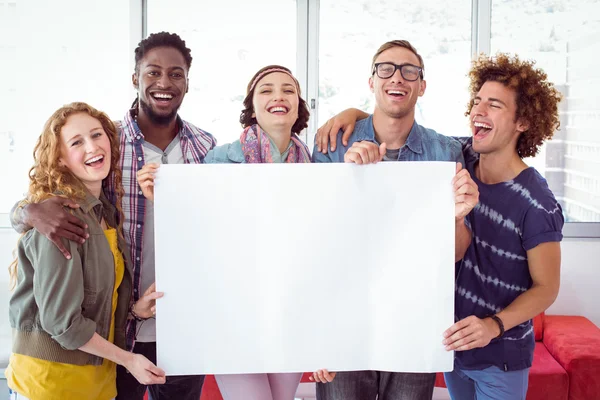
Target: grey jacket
x=58 y=304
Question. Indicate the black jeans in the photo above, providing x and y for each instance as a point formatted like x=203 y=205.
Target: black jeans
x=184 y=387
x=371 y=385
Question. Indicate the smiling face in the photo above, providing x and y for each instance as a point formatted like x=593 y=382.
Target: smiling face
x=395 y=96
x=161 y=82
x=492 y=119
x=275 y=102
x=85 y=150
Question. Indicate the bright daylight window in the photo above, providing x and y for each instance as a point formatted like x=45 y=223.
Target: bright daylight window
x=77 y=51
x=563 y=36
x=350 y=33
x=228 y=47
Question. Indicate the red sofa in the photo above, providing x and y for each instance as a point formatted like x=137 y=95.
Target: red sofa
x=566 y=359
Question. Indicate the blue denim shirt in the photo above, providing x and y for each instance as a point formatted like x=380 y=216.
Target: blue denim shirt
x=422 y=144
x=232 y=153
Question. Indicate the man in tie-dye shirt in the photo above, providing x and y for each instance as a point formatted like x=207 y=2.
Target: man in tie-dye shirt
x=511 y=271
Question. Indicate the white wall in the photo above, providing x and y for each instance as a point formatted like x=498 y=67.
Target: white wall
x=580 y=283
x=8 y=240
x=580 y=279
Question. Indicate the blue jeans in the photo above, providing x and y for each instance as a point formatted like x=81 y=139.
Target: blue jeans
x=371 y=385
x=490 y=383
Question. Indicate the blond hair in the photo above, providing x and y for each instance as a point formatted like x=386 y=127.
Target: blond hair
x=398 y=43
x=47 y=178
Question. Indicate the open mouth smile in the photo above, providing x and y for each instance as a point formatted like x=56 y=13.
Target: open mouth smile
x=162 y=97
x=396 y=93
x=481 y=129
x=278 y=110
x=95 y=161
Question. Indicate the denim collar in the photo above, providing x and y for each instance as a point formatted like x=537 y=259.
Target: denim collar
x=414 y=141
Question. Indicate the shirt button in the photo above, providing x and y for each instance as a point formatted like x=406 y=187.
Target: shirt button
x=139 y=158
x=137 y=258
x=138 y=137
x=140 y=192
x=139 y=226
x=134 y=290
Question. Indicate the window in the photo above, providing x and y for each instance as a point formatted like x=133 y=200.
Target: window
x=80 y=51
x=352 y=31
x=562 y=36
x=227 y=49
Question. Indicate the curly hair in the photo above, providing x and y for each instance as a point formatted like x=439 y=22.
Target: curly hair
x=246 y=118
x=162 y=39
x=536 y=98
x=47 y=178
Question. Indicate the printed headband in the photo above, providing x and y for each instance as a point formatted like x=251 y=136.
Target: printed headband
x=271 y=70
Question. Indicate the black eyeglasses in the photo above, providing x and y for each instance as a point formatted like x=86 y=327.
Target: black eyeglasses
x=409 y=72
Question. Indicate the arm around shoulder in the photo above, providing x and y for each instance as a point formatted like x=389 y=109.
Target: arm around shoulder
x=17 y=218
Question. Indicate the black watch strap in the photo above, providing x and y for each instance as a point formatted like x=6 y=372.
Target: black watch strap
x=500 y=325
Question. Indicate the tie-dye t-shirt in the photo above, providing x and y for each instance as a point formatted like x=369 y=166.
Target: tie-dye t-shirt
x=511 y=218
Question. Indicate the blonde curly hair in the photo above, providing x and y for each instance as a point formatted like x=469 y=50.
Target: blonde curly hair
x=47 y=178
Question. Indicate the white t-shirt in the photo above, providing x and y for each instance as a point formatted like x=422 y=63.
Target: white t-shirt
x=152 y=154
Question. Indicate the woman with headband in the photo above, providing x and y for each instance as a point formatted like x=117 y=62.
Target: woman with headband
x=273 y=115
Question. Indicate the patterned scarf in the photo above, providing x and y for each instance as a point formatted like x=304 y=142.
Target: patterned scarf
x=257 y=147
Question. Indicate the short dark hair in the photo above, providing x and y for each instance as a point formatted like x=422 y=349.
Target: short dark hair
x=162 y=39
x=246 y=118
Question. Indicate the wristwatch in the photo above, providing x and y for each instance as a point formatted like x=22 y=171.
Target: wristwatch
x=500 y=325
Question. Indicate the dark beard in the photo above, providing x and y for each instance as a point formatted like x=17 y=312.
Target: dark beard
x=162 y=120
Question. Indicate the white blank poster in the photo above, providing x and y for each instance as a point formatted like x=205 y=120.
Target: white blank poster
x=295 y=267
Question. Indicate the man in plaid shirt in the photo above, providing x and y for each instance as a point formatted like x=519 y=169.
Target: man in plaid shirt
x=151 y=131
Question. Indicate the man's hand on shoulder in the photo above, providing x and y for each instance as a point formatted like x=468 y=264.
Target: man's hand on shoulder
x=345 y=121
x=50 y=218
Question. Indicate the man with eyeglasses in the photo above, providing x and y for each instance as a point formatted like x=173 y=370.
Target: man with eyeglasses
x=397 y=80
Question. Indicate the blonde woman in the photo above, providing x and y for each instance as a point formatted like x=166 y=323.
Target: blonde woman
x=68 y=315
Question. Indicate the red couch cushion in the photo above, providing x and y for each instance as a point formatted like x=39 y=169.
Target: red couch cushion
x=305 y=377
x=538 y=326
x=547 y=379
x=210 y=390
x=575 y=343
x=439 y=380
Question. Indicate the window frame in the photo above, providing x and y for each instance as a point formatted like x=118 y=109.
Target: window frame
x=308 y=70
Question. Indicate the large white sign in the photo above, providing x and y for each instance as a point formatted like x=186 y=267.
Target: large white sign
x=295 y=267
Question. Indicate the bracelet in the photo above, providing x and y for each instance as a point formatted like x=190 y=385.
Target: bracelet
x=135 y=316
x=500 y=325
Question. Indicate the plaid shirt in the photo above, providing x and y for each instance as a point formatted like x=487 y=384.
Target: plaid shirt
x=195 y=143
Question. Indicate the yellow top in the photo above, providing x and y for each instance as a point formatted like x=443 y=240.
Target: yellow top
x=45 y=380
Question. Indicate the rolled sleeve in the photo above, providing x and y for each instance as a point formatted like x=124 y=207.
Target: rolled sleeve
x=78 y=333
x=58 y=288
x=543 y=224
